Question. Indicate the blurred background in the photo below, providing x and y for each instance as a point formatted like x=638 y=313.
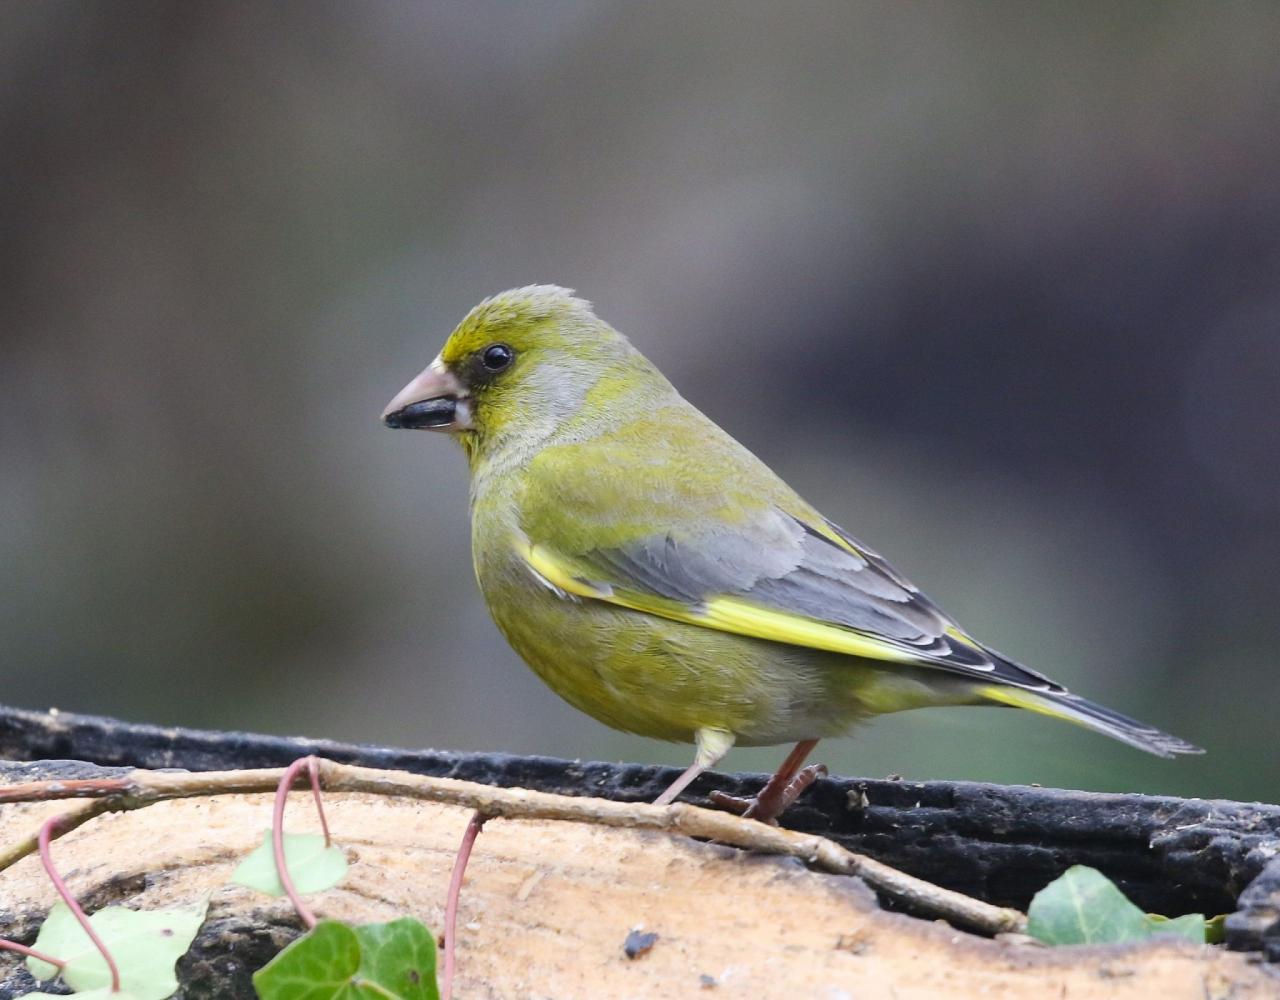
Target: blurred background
x=995 y=286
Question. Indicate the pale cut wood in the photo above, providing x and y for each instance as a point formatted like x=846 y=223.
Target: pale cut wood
x=141 y=788
x=548 y=905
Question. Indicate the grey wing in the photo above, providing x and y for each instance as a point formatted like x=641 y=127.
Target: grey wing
x=782 y=563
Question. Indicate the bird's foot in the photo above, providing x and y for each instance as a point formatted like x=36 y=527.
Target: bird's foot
x=774 y=798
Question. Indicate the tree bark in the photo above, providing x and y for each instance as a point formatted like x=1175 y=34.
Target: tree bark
x=555 y=921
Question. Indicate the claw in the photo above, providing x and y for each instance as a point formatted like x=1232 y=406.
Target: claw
x=772 y=801
x=731 y=803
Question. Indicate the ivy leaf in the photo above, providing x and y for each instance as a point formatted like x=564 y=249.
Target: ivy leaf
x=1191 y=926
x=400 y=955
x=145 y=944
x=312 y=866
x=1083 y=906
x=1215 y=929
x=394 y=961
x=320 y=965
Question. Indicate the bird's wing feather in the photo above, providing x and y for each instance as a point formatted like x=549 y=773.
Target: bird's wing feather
x=780 y=577
x=669 y=515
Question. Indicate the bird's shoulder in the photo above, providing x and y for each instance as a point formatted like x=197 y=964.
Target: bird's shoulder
x=669 y=471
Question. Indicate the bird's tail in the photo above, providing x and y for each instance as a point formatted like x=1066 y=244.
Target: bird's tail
x=1092 y=716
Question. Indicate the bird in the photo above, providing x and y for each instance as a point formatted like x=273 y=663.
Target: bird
x=662 y=579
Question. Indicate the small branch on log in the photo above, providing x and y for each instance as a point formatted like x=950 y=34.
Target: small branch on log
x=71 y=819
x=143 y=788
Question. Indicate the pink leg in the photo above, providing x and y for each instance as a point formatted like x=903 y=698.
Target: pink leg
x=680 y=784
x=713 y=744
x=779 y=791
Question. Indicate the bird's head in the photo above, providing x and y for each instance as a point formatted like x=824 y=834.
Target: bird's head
x=519 y=366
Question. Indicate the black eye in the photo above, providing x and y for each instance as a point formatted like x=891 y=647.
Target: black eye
x=497 y=357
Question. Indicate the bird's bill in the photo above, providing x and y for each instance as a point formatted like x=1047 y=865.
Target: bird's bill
x=434 y=401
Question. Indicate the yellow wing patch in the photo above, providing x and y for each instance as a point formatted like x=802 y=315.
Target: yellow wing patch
x=731 y=614
x=727 y=614
x=820 y=525
x=961 y=636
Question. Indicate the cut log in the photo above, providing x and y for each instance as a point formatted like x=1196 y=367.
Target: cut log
x=548 y=906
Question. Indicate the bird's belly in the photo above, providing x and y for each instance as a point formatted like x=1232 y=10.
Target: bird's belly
x=667 y=679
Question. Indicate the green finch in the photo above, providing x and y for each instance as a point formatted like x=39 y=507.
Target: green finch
x=659 y=577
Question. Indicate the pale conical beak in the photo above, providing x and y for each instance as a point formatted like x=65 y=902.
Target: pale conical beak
x=434 y=401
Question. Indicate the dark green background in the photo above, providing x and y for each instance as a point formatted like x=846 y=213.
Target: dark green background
x=996 y=286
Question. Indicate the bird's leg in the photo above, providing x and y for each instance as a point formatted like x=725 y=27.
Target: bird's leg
x=786 y=785
x=712 y=744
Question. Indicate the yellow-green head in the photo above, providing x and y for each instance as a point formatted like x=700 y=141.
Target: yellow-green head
x=519 y=366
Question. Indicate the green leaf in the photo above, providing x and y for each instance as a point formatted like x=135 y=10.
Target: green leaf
x=102 y=994
x=319 y=965
x=1191 y=926
x=1215 y=929
x=394 y=961
x=1083 y=906
x=312 y=866
x=145 y=944
x=400 y=955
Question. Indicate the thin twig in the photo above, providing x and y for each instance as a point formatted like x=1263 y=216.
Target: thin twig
x=71 y=819
x=62 y=788
x=51 y=826
x=147 y=787
x=39 y=956
x=277 y=837
x=469 y=835
x=313 y=772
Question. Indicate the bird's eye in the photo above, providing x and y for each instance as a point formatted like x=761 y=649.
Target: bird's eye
x=497 y=357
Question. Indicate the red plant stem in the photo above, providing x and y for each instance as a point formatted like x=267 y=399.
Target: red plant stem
x=277 y=840
x=39 y=956
x=46 y=830
x=469 y=835
x=313 y=769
